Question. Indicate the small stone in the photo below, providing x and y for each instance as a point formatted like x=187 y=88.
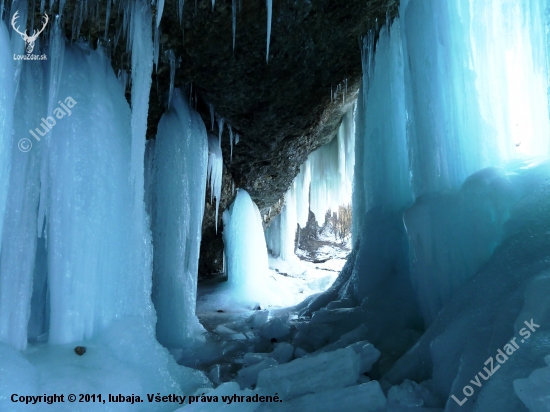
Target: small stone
x=219 y=311
x=80 y=350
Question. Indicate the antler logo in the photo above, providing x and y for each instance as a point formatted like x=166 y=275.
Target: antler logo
x=29 y=40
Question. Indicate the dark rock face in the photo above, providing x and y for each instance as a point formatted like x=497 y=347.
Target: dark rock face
x=282 y=109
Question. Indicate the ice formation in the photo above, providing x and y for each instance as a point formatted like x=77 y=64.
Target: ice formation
x=181 y=158
x=445 y=204
x=215 y=171
x=76 y=266
x=269 y=5
x=324 y=183
x=247 y=273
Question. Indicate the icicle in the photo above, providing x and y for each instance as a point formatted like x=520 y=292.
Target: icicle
x=160 y=9
x=232 y=186
x=180 y=10
x=234 y=20
x=107 y=18
x=142 y=68
x=211 y=107
x=123 y=79
x=215 y=171
x=172 y=60
x=213 y=4
x=221 y=121
x=230 y=142
x=236 y=139
x=269 y=16
x=61 y=7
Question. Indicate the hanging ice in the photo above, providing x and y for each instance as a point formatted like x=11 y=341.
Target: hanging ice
x=269 y=4
x=172 y=60
x=181 y=156
x=215 y=171
x=234 y=20
x=142 y=67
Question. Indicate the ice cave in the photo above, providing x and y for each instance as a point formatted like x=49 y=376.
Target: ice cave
x=315 y=205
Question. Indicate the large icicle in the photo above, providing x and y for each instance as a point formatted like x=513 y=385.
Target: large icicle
x=181 y=156
x=160 y=9
x=142 y=67
x=215 y=171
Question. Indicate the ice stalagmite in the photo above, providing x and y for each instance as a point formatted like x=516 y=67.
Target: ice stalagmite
x=181 y=156
x=246 y=252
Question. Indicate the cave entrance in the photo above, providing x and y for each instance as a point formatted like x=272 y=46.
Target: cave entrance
x=309 y=241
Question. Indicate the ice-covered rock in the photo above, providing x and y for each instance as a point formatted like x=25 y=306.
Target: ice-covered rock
x=283 y=352
x=248 y=376
x=312 y=374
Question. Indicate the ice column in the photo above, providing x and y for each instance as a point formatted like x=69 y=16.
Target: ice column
x=93 y=275
x=19 y=228
x=142 y=68
x=181 y=158
x=6 y=116
x=382 y=166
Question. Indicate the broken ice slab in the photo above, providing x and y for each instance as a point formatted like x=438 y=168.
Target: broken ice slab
x=254 y=358
x=224 y=330
x=276 y=328
x=312 y=374
x=283 y=352
x=258 y=319
x=367 y=397
x=248 y=376
x=369 y=354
